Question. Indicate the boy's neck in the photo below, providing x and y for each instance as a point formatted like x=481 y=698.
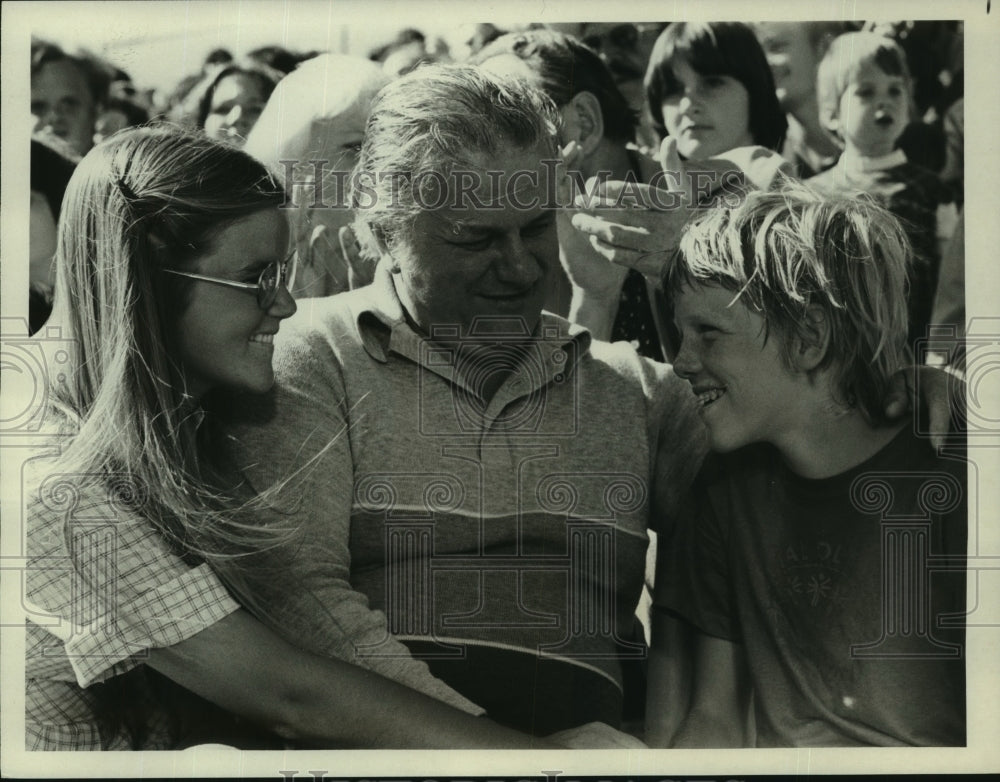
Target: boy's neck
x=834 y=443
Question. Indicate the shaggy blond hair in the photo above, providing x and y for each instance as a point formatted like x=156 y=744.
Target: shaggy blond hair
x=785 y=250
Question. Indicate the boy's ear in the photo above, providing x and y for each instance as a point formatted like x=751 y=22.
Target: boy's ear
x=583 y=121
x=812 y=339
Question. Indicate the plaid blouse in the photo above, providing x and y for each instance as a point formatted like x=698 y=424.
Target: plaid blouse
x=101 y=589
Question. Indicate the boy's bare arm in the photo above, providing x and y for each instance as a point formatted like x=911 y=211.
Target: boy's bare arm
x=717 y=717
x=668 y=677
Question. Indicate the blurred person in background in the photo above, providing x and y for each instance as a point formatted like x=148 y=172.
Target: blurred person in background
x=794 y=50
x=316 y=117
x=52 y=165
x=119 y=112
x=233 y=100
x=934 y=58
x=67 y=94
x=865 y=90
x=625 y=48
x=408 y=50
x=482 y=34
x=180 y=105
x=277 y=57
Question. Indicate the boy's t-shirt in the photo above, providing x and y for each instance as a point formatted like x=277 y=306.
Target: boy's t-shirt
x=838 y=589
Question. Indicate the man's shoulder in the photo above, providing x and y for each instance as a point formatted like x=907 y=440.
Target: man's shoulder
x=322 y=315
x=593 y=356
x=322 y=328
x=616 y=356
x=622 y=359
x=618 y=363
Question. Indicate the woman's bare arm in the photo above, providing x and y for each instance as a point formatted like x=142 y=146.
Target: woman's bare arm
x=244 y=667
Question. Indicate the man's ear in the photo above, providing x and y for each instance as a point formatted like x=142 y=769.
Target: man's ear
x=812 y=339
x=583 y=121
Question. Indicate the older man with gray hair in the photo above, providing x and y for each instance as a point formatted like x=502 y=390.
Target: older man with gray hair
x=472 y=477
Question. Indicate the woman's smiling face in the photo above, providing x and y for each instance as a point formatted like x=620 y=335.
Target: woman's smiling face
x=225 y=338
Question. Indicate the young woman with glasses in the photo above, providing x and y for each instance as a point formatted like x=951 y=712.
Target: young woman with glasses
x=172 y=280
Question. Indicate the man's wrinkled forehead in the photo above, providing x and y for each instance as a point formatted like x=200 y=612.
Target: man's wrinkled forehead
x=489 y=182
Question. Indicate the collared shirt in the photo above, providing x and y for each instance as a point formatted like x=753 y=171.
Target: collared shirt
x=101 y=589
x=463 y=526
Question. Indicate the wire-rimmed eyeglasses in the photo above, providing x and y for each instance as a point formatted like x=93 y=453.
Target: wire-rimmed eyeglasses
x=271 y=279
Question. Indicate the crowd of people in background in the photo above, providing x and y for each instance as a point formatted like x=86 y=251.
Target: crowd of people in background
x=79 y=99
x=256 y=572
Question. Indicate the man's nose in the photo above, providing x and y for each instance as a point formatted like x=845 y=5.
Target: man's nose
x=519 y=265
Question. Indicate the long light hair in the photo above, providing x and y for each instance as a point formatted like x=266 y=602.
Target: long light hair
x=146 y=200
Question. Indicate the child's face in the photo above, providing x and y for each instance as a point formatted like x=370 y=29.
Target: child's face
x=745 y=391
x=873 y=111
x=708 y=115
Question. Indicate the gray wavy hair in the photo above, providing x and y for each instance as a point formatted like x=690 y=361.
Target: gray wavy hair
x=428 y=122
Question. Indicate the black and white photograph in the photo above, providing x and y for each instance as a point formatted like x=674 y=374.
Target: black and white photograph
x=525 y=390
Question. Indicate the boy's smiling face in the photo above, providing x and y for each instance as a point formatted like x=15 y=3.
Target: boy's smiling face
x=746 y=391
x=873 y=111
